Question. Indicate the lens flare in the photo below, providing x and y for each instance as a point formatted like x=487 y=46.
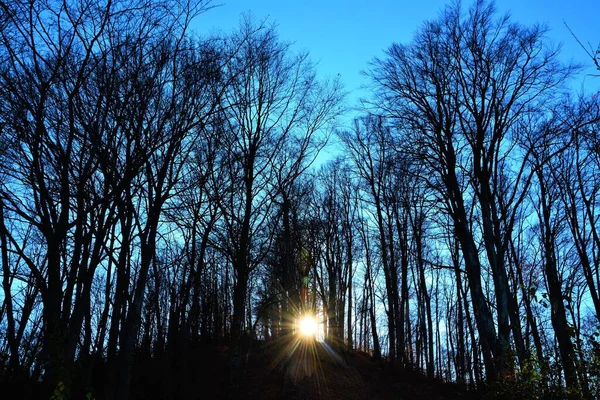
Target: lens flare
x=307 y=325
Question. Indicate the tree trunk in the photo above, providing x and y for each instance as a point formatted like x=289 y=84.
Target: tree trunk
x=558 y=314
x=13 y=344
x=132 y=324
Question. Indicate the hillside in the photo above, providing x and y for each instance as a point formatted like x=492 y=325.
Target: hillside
x=304 y=370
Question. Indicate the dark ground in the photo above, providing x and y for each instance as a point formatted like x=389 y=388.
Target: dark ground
x=312 y=370
x=293 y=368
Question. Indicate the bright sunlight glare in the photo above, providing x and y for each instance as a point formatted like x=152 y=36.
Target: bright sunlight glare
x=308 y=325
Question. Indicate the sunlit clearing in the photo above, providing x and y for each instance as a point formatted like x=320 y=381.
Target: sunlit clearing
x=307 y=325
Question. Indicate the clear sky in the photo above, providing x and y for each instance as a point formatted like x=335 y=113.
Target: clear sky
x=343 y=36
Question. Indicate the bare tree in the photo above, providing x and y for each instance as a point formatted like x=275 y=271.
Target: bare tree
x=274 y=101
x=369 y=148
x=460 y=87
x=96 y=78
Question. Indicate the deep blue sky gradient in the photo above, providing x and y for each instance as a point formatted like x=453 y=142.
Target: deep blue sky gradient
x=343 y=36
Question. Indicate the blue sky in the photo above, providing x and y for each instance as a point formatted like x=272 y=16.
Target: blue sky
x=343 y=36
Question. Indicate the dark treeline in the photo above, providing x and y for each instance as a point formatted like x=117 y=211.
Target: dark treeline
x=158 y=197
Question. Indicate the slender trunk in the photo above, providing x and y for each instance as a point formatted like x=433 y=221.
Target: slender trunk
x=197 y=269
x=427 y=308
x=349 y=318
x=404 y=305
x=102 y=325
x=376 y=345
x=476 y=360
x=495 y=254
x=288 y=282
x=531 y=319
x=558 y=314
x=389 y=271
x=239 y=309
x=350 y=273
x=582 y=250
x=122 y=279
x=13 y=344
x=54 y=329
x=89 y=262
x=483 y=314
x=399 y=301
x=371 y=298
x=241 y=259
x=460 y=373
x=132 y=323
x=515 y=322
x=449 y=341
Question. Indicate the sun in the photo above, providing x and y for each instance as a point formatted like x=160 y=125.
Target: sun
x=307 y=325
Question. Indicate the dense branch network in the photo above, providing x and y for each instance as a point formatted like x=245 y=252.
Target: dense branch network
x=159 y=196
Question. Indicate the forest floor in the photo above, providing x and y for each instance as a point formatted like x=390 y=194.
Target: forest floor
x=291 y=368
x=313 y=370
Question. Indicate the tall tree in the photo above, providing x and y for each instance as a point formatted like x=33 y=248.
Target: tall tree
x=274 y=100
x=369 y=149
x=460 y=86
